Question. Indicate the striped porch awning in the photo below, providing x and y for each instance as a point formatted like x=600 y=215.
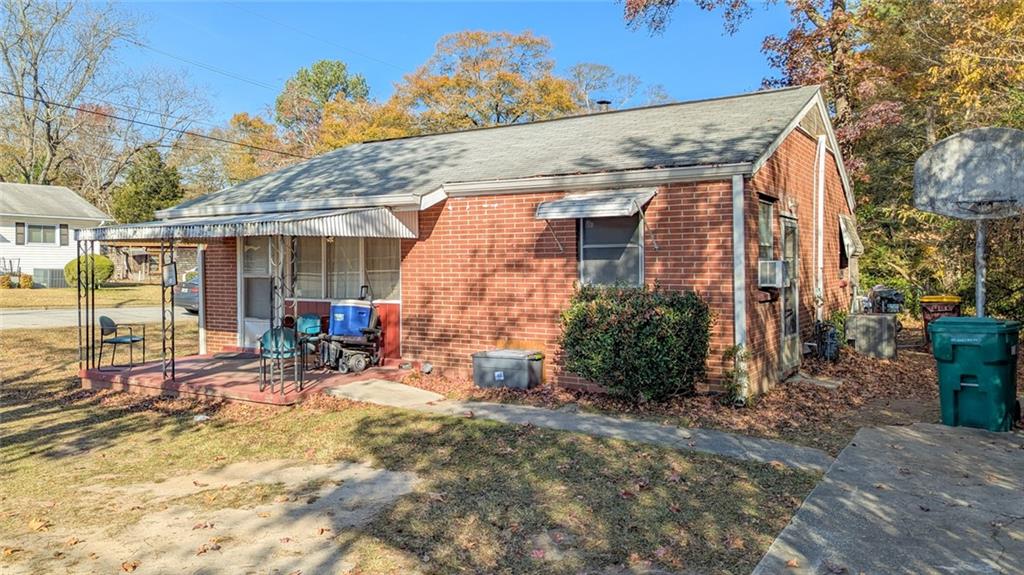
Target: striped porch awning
x=356 y=222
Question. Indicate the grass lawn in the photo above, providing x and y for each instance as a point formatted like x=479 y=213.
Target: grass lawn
x=492 y=498
x=51 y=298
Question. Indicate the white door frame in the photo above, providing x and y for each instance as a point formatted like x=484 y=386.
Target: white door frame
x=787 y=221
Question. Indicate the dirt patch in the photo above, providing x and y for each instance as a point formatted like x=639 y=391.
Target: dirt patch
x=300 y=530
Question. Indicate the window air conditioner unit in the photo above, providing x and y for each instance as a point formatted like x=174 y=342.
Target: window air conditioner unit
x=771 y=274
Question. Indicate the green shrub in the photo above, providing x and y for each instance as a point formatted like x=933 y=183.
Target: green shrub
x=838 y=320
x=639 y=343
x=25 y=281
x=5 y=282
x=104 y=268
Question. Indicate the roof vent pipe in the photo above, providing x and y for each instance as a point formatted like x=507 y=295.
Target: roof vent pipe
x=603 y=105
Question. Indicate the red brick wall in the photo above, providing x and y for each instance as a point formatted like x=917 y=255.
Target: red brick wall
x=788 y=177
x=485 y=273
x=221 y=292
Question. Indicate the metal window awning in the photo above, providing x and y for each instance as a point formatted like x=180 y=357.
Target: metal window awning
x=603 y=204
x=851 y=239
x=356 y=222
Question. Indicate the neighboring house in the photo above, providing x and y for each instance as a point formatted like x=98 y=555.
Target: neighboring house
x=37 y=225
x=475 y=239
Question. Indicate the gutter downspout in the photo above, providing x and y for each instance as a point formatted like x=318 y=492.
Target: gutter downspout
x=739 y=285
x=819 y=231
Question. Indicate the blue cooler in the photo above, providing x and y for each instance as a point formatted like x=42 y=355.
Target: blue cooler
x=349 y=317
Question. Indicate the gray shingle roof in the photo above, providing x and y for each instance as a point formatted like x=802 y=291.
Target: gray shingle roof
x=52 y=201
x=719 y=131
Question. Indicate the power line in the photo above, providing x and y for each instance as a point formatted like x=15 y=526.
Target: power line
x=324 y=40
x=205 y=66
x=157 y=126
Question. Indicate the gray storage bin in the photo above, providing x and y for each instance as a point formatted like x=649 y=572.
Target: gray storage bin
x=514 y=368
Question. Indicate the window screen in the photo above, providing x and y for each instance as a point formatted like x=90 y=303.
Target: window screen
x=383 y=264
x=42 y=234
x=765 y=241
x=256 y=273
x=611 y=251
x=309 y=268
x=344 y=274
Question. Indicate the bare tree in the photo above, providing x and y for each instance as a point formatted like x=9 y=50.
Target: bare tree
x=70 y=114
x=593 y=82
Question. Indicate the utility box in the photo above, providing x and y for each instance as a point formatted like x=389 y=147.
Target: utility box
x=512 y=368
x=873 y=334
x=977 y=364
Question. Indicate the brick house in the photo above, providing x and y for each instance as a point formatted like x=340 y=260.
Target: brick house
x=476 y=239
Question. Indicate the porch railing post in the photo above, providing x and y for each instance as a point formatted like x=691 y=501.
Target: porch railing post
x=167 y=309
x=78 y=291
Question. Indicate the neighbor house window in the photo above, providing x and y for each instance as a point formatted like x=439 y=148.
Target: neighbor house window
x=309 y=268
x=42 y=234
x=256 y=277
x=344 y=268
x=611 y=251
x=383 y=264
x=765 y=239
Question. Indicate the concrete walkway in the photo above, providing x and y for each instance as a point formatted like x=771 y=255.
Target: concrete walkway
x=703 y=440
x=923 y=499
x=46 y=318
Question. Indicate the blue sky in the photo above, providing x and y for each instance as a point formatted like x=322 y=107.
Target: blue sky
x=266 y=42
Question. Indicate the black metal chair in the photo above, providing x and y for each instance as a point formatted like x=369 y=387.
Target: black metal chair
x=110 y=327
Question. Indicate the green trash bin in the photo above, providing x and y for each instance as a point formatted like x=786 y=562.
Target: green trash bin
x=977 y=363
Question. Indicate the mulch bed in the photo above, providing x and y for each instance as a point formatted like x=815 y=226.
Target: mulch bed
x=873 y=392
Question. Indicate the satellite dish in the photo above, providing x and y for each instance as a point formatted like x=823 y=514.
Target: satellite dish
x=973 y=175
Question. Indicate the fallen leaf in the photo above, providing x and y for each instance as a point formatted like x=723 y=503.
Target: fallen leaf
x=203 y=525
x=8 y=551
x=310 y=453
x=263 y=514
x=627 y=494
x=674 y=478
x=129 y=566
x=323 y=530
x=777 y=465
x=674 y=508
x=435 y=496
x=660 y=552
x=71 y=541
x=198 y=484
x=286 y=540
x=537 y=554
x=469 y=415
x=792 y=563
x=735 y=543
x=281 y=499
x=37 y=524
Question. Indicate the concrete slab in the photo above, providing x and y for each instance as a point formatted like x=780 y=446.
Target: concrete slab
x=384 y=392
x=703 y=440
x=922 y=499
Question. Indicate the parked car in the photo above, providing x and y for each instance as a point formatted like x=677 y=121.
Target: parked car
x=187 y=295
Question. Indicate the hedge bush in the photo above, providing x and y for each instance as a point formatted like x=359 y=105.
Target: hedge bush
x=641 y=344
x=5 y=282
x=25 y=281
x=104 y=268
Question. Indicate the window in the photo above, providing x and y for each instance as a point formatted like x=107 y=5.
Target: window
x=256 y=277
x=765 y=239
x=611 y=251
x=42 y=234
x=344 y=275
x=383 y=264
x=309 y=268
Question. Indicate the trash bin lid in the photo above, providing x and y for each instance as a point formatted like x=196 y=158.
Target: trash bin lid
x=973 y=325
x=509 y=354
x=940 y=299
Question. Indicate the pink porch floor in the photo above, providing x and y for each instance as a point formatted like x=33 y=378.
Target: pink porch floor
x=224 y=377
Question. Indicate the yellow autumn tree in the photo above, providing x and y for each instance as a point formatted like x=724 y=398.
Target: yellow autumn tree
x=478 y=78
x=348 y=121
x=262 y=154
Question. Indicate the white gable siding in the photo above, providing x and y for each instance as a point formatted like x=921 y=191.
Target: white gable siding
x=40 y=256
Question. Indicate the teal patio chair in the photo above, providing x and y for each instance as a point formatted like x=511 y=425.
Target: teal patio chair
x=110 y=327
x=276 y=346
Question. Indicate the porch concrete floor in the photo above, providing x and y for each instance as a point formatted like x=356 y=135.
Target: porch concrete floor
x=223 y=377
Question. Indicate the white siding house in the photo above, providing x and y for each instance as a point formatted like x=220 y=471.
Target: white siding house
x=37 y=227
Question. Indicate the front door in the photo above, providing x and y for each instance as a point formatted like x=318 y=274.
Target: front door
x=790 y=296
